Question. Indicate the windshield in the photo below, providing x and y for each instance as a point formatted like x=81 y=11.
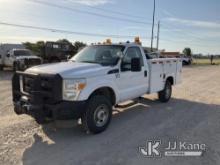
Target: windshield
x=22 y=53
x=99 y=54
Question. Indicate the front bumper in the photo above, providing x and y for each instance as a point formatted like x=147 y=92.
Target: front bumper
x=61 y=111
x=40 y=95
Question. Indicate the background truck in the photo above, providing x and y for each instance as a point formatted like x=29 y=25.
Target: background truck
x=16 y=57
x=56 y=51
x=92 y=82
x=4 y=48
x=186 y=60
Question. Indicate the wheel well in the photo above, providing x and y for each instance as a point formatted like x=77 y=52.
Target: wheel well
x=105 y=91
x=170 y=79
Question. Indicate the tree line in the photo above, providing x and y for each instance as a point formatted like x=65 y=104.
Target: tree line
x=39 y=47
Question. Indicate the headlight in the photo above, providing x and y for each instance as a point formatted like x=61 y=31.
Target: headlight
x=72 y=88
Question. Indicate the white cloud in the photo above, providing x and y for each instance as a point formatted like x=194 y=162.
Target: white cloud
x=195 y=23
x=91 y=2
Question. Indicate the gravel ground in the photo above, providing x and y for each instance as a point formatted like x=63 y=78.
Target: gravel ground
x=192 y=115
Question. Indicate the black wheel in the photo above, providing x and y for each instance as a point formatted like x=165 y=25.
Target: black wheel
x=97 y=115
x=165 y=94
x=185 y=63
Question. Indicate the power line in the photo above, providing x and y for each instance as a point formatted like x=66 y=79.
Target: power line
x=88 y=12
x=65 y=31
x=87 y=34
x=116 y=12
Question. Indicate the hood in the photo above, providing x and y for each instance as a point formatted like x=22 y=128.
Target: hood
x=70 y=69
x=27 y=57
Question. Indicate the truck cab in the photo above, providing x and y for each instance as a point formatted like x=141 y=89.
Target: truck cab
x=91 y=83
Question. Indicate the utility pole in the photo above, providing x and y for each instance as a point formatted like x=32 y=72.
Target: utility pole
x=158 y=34
x=152 y=34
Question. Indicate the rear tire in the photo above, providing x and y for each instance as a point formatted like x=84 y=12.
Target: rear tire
x=97 y=115
x=165 y=94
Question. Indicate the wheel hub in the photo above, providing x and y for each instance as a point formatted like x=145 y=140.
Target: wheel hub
x=101 y=115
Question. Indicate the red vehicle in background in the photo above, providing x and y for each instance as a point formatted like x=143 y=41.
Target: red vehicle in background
x=186 y=60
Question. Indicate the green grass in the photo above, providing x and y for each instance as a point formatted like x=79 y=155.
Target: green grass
x=206 y=61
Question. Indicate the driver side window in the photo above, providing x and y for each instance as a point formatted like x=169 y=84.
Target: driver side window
x=132 y=52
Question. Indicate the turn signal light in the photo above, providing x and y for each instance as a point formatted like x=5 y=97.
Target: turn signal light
x=137 y=40
x=108 y=41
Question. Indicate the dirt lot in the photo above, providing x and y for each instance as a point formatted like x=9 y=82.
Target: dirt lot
x=192 y=115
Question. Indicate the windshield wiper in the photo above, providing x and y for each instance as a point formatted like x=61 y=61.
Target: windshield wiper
x=93 y=62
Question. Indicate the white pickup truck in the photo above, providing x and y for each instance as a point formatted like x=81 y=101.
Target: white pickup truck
x=18 y=59
x=90 y=84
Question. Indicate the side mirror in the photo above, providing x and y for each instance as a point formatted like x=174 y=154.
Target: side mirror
x=135 y=65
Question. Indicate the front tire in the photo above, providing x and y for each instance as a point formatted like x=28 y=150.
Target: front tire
x=97 y=115
x=165 y=94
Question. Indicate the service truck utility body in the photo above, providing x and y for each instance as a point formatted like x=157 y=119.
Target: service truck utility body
x=91 y=83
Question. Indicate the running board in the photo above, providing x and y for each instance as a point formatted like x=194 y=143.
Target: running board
x=128 y=103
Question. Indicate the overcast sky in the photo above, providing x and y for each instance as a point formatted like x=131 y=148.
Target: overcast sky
x=189 y=23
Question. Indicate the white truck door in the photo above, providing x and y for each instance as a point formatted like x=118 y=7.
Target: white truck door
x=132 y=84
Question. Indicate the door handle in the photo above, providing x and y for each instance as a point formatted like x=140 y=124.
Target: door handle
x=145 y=73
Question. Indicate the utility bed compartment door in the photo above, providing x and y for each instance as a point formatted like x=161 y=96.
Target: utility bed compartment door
x=156 y=80
x=170 y=68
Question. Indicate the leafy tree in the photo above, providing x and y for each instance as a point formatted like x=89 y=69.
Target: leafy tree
x=39 y=47
x=64 y=41
x=187 y=52
x=78 y=45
